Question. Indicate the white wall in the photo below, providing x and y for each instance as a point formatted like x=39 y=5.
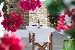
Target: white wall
x=68 y=4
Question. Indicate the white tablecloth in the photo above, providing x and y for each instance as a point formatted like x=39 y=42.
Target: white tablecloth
x=42 y=34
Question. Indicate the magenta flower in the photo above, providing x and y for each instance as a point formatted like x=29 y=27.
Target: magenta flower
x=61 y=25
x=15 y=43
x=11 y=42
x=27 y=5
x=0 y=14
x=68 y=13
x=5 y=39
x=2 y=47
x=13 y=22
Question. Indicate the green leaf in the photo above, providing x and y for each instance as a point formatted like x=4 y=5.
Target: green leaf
x=48 y=2
x=71 y=32
x=68 y=44
x=4 y=8
x=2 y=1
x=55 y=7
x=73 y=2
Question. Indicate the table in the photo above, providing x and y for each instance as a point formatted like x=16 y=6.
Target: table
x=41 y=37
x=42 y=34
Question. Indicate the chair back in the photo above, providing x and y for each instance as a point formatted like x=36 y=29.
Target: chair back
x=41 y=47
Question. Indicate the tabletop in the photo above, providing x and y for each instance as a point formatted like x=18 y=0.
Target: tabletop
x=41 y=34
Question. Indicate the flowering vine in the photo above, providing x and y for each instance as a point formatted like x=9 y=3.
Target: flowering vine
x=13 y=22
x=65 y=22
x=11 y=43
x=27 y=5
x=0 y=14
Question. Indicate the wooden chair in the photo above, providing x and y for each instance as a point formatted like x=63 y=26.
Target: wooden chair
x=32 y=39
x=41 y=47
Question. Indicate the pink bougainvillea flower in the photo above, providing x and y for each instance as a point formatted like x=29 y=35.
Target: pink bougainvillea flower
x=38 y=3
x=2 y=47
x=64 y=27
x=33 y=5
x=13 y=22
x=73 y=11
x=27 y=5
x=61 y=22
x=14 y=38
x=57 y=28
x=5 y=39
x=15 y=43
x=61 y=25
x=0 y=14
x=62 y=16
x=15 y=47
x=11 y=42
x=68 y=13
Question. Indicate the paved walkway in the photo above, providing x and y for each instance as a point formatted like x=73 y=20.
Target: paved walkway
x=58 y=41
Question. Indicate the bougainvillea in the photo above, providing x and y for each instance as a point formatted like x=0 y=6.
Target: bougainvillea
x=2 y=47
x=13 y=22
x=65 y=22
x=11 y=42
x=0 y=14
x=62 y=23
x=27 y=5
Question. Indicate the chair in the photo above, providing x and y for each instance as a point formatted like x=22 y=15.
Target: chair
x=41 y=47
